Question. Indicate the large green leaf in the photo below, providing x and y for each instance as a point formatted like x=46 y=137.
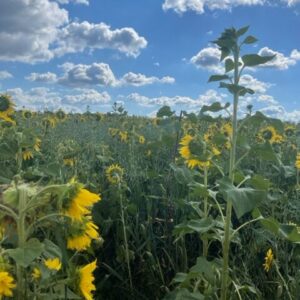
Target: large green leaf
x=26 y=255
x=243 y=199
x=215 y=107
x=218 y=77
x=229 y=65
x=250 y=40
x=251 y=60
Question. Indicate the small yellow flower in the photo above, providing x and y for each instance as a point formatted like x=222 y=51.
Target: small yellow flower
x=36 y=274
x=53 y=263
x=6 y=284
x=80 y=204
x=268 y=260
x=86 y=279
x=297 y=163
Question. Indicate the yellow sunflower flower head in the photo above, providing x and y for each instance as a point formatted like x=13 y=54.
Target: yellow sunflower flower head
x=114 y=174
x=86 y=280
x=6 y=284
x=268 y=260
x=270 y=134
x=123 y=136
x=7 y=108
x=53 y=263
x=82 y=234
x=289 y=130
x=192 y=151
x=27 y=114
x=141 y=139
x=80 y=202
x=36 y=274
x=297 y=163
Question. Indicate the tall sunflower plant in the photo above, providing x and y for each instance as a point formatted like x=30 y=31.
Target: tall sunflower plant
x=45 y=233
x=234 y=195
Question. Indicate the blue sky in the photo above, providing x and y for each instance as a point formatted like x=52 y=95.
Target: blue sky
x=73 y=53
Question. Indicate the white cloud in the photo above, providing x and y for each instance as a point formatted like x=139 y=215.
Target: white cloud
x=199 y=6
x=34 y=31
x=141 y=79
x=207 y=98
x=280 y=61
x=291 y=2
x=208 y=59
x=28 y=28
x=86 y=2
x=42 y=77
x=5 y=75
x=254 y=84
x=267 y=99
x=87 y=96
x=76 y=37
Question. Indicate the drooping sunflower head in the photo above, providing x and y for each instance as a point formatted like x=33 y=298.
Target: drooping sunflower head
x=85 y=280
x=114 y=174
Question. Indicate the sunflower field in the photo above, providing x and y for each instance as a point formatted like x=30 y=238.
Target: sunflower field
x=181 y=206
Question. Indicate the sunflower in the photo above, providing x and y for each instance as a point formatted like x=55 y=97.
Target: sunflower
x=268 y=260
x=36 y=274
x=50 y=121
x=86 y=279
x=297 y=163
x=80 y=204
x=26 y=114
x=61 y=115
x=289 y=130
x=6 y=108
x=27 y=154
x=113 y=131
x=141 y=139
x=114 y=174
x=85 y=233
x=270 y=134
x=6 y=284
x=189 y=150
x=69 y=162
x=53 y=263
x=123 y=136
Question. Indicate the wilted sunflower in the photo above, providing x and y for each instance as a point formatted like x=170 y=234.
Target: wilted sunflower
x=114 y=174
x=297 y=163
x=6 y=108
x=6 y=284
x=53 y=263
x=83 y=235
x=190 y=150
x=81 y=202
x=86 y=279
x=268 y=260
x=270 y=134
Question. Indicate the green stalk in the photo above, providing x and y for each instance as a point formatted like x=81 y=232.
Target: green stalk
x=205 y=240
x=125 y=240
x=21 y=289
x=227 y=237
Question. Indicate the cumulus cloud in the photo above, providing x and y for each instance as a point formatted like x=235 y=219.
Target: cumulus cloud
x=258 y=86
x=34 y=31
x=76 y=37
x=280 y=61
x=141 y=79
x=5 y=75
x=42 y=77
x=87 y=96
x=27 y=29
x=207 y=98
x=208 y=59
x=291 y=2
x=199 y=6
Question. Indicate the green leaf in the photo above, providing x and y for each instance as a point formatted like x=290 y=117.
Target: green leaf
x=251 y=60
x=250 y=40
x=218 y=78
x=182 y=174
x=242 y=31
x=229 y=65
x=243 y=199
x=259 y=182
x=202 y=225
x=215 y=107
x=184 y=294
x=224 y=53
x=26 y=255
x=265 y=152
